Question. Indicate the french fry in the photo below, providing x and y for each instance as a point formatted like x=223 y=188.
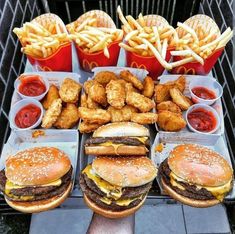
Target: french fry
x=123 y=20
x=181 y=62
x=128 y=48
x=189 y=30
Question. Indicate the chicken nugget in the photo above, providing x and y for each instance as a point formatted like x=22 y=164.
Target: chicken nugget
x=139 y=101
x=148 y=87
x=179 y=99
x=87 y=84
x=180 y=83
x=97 y=94
x=162 y=92
x=52 y=113
x=83 y=100
x=52 y=94
x=104 y=77
x=85 y=127
x=129 y=88
x=68 y=117
x=144 y=118
x=91 y=104
x=116 y=114
x=115 y=94
x=69 y=90
x=129 y=77
x=94 y=116
x=170 y=121
x=127 y=111
x=168 y=105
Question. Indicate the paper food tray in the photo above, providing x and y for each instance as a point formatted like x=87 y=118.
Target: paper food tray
x=65 y=140
x=171 y=142
x=217 y=106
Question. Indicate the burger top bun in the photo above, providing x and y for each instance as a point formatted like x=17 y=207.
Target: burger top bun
x=125 y=172
x=37 y=166
x=121 y=129
x=199 y=165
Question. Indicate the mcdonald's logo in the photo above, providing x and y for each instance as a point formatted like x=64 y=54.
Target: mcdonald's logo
x=184 y=70
x=45 y=68
x=89 y=66
x=141 y=66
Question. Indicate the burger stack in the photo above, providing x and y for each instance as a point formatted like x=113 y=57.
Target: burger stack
x=118 y=180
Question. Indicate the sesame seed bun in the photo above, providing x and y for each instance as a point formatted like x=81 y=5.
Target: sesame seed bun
x=199 y=165
x=125 y=171
x=121 y=129
x=109 y=213
x=37 y=166
x=39 y=206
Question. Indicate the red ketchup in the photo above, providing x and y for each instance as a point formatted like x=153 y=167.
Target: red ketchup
x=27 y=116
x=204 y=93
x=32 y=85
x=202 y=120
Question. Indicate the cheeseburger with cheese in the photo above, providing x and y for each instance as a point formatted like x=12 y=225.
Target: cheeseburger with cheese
x=116 y=187
x=121 y=138
x=196 y=176
x=36 y=179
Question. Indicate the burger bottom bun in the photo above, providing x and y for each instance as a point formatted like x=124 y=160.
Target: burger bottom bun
x=188 y=201
x=39 y=206
x=109 y=213
x=120 y=150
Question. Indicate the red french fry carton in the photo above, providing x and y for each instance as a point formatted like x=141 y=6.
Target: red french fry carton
x=195 y=68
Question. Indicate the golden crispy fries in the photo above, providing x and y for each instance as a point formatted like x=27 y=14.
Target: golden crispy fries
x=129 y=77
x=144 y=118
x=148 y=87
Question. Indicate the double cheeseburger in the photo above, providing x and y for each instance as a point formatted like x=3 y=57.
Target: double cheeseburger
x=122 y=138
x=196 y=176
x=36 y=179
x=117 y=187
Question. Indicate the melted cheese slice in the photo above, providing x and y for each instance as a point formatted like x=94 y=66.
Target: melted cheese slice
x=22 y=198
x=110 y=190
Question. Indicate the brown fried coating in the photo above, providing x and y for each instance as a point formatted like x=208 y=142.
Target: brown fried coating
x=52 y=94
x=148 y=87
x=83 y=100
x=85 y=127
x=68 y=117
x=179 y=99
x=92 y=104
x=70 y=90
x=180 y=83
x=144 y=118
x=87 y=84
x=139 y=101
x=115 y=94
x=127 y=111
x=129 y=77
x=97 y=93
x=94 y=116
x=129 y=88
x=170 y=121
x=104 y=77
x=168 y=105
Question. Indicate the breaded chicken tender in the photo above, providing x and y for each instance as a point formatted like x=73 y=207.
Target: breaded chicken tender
x=68 y=117
x=148 y=87
x=104 y=77
x=87 y=127
x=168 y=105
x=129 y=77
x=178 y=98
x=83 y=100
x=139 y=101
x=144 y=118
x=52 y=113
x=70 y=90
x=52 y=94
x=170 y=121
x=115 y=94
x=97 y=93
x=94 y=116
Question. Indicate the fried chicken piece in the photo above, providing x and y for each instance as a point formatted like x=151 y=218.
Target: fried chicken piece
x=83 y=100
x=52 y=113
x=129 y=77
x=139 y=101
x=129 y=88
x=144 y=118
x=168 y=105
x=115 y=94
x=170 y=121
x=69 y=90
x=94 y=116
x=91 y=104
x=68 y=117
x=180 y=83
x=97 y=93
x=52 y=94
x=104 y=77
x=148 y=87
x=85 y=127
x=87 y=84
x=127 y=111
x=179 y=99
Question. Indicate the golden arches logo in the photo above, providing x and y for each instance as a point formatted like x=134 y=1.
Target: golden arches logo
x=89 y=66
x=45 y=68
x=184 y=70
x=135 y=65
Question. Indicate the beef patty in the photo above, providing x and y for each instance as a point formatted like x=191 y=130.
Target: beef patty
x=38 y=192
x=191 y=191
x=116 y=140
x=93 y=193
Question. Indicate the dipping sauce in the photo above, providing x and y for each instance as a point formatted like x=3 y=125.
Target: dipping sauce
x=204 y=93
x=32 y=85
x=27 y=116
x=202 y=120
